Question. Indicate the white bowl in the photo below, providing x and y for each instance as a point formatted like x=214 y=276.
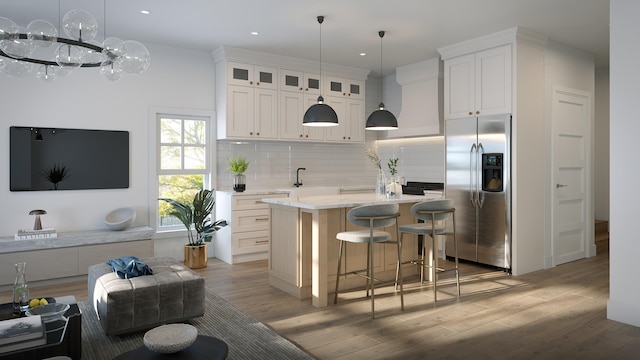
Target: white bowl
x=120 y=219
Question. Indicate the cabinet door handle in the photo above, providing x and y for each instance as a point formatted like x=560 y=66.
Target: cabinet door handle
x=470 y=113
x=300 y=135
x=477 y=112
x=257 y=134
x=306 y=136
x=262 y=219
x=250 y=132
x=258 y=201
x=250 y=82
x=262 y=241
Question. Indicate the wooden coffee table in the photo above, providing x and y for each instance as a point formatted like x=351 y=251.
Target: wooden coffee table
x=205 y=347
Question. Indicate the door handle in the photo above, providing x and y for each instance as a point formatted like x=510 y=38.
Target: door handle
x=472 y=174
x=560 y=185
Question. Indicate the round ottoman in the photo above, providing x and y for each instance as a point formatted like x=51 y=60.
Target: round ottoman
x=167 y=339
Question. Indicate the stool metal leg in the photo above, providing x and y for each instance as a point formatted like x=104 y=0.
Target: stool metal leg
x=399 y=270
x=370 y=265
x=335 y=295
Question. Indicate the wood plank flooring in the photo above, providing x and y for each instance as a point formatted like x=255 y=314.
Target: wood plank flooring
x=559 y=313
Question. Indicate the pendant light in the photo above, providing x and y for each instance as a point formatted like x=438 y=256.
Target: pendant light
x=320 y=114
x=381 y=119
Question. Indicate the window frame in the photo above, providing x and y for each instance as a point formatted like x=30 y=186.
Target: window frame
x=209 y=172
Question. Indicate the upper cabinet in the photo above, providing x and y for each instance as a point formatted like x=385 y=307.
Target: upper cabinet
x=478 y=83
x=251 y=99
x=263 y=96
x=340 y=87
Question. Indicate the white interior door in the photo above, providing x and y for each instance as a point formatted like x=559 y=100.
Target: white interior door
x=571 y=174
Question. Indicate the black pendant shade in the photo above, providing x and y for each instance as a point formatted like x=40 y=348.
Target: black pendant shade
x=320 y=114
x=381 y=119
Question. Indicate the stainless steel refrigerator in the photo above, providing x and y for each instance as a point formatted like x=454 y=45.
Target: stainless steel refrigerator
x=478 y=179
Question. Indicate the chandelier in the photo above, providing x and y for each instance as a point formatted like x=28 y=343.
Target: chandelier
x=40 y=46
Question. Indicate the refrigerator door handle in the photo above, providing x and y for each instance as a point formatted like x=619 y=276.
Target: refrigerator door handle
x=472 y=177
x=479 y=192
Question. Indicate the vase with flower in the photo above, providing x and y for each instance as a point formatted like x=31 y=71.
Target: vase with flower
x=393 y=187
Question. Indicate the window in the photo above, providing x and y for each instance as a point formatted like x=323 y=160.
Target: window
x=182 y=162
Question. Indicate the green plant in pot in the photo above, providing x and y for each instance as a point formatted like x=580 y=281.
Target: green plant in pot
x=238 y=166
x=198 y=214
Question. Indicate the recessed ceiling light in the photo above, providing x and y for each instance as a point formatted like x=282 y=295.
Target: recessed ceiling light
x=255 y=33
x=363 y=54
x=145 y=12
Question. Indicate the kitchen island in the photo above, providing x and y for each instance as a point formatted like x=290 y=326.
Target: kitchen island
x=303 y=250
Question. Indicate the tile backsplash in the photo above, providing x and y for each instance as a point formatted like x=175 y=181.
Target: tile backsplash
x=274 y=164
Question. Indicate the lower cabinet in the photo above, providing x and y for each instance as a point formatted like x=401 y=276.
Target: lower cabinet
x=68 y=262
x=247 y=236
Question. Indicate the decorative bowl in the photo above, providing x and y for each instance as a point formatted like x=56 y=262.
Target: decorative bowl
x=120 y=219
x=49 y=312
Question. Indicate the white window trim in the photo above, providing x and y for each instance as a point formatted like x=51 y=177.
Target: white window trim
x=152 y=179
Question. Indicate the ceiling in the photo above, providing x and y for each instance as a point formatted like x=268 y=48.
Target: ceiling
x=414 y=28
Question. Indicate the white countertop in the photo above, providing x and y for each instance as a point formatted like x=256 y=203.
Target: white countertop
x=343 y=201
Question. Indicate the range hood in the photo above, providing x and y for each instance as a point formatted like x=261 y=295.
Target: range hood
x=421 y=113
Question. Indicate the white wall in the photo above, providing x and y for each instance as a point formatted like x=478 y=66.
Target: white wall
x=176 y=78
x=624 y=248
x=601 y=146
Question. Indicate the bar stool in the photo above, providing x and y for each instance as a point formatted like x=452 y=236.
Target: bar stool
x=371 y=217
x=433 y=213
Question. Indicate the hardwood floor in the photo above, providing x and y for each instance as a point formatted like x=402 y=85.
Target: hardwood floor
x=559 y=313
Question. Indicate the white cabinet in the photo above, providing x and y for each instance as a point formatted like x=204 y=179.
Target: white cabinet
x=340 y=87
x=251 y=98
x=298 y=81
x=293 y=105
x=478 y=83
x=350 y=120
x=247 y=236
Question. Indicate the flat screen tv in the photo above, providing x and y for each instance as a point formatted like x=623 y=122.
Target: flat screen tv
x=68 y=159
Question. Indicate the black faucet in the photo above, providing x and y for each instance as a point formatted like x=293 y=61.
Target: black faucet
x=298 y=183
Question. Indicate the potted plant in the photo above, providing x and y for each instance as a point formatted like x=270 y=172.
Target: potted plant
x=394 y=189
x=198 y=214
x=238 y=166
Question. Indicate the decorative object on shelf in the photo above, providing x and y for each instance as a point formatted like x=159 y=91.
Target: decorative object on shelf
x=46 y=233
x=21 y=48
x=393 y=188
x=171 y=338
x=20 y=289
x=120 y=219
x=56 y=173
x=38 y=224
x=381 y=119
x=320 y=114
x=238 y=166
x=197 y=213
x=381 y=181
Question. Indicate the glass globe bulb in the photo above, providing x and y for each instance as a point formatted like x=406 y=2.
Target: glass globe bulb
x=136 y=58
x=69 y=56
x=80 y=25
x=46 y=73
x=42 y=33
x=113 y=48
x=111 y=72
x=92 y=56
x=17 y=47
x=15 y=68
x=8 y=29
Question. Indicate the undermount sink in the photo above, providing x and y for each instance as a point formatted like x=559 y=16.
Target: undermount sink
x=305 y=191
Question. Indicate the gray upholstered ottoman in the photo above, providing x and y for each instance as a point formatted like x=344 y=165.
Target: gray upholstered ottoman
x=173 y=293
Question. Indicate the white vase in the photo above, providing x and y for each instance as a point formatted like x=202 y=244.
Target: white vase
x=393 y=188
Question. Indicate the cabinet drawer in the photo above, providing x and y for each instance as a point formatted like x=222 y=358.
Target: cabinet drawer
x=251 y=202
x=249 y=220
x=250 y=242
x=41 y=264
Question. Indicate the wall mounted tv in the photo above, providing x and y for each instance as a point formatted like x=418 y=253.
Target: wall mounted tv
x=68 y=159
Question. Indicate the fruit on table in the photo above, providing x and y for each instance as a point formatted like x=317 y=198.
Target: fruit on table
x=37 y=302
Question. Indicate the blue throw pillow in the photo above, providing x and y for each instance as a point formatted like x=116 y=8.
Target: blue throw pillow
x=129 y=266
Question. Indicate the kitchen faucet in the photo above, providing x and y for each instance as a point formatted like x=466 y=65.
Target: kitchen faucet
x=298 y=183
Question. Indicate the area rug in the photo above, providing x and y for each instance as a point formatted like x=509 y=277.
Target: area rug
x=246 y=337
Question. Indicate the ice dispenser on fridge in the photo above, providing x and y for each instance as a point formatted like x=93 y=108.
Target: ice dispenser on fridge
x=492 y=172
